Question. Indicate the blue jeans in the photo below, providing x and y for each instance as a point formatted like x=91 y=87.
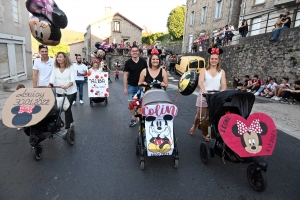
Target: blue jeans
x=79 y=84
x=276 y=32
x=244 y=33
x=132 y=90
x=260 y=89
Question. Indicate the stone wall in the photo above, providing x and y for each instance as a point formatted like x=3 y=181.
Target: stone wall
x=257 y=55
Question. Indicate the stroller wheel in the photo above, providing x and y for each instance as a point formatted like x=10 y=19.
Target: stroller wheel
x=257 y=178
x=176 y=163
x=204 y=152
x=137 y=146
x=38 y=152
x=142 y=165
x=91 y=104
x=71 y=136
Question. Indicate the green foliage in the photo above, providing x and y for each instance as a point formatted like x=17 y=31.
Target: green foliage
x=62 y=47
x=175 y=22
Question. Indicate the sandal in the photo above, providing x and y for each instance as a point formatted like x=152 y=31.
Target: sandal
x=192 y=130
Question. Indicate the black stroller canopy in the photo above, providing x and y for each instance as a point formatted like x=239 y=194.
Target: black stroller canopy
x=243 y=101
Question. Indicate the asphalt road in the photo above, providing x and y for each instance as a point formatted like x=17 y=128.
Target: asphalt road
x=102 y=164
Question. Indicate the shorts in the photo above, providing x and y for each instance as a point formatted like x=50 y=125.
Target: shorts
x=132 y=90
x=202 y=103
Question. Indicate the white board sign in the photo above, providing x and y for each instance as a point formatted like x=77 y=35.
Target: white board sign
x=98 y=84
x=159 y=128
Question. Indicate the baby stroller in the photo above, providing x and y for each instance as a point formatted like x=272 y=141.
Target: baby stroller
x=230 y=103
x=98 y=100
x=156 y=136
x=47 y=128
x=99 y=88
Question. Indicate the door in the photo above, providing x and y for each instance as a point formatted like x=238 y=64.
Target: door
x=4 y=67
x=255 y=28
x=19 y=58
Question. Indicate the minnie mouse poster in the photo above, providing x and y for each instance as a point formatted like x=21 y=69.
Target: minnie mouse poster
x=255 y=136
x=23 y=114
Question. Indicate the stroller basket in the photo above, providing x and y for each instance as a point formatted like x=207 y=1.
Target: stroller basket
x=156 y=96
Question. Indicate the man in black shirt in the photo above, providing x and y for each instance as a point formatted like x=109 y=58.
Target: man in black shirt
x=294 y=93
x=132 y=70
x=286 y=20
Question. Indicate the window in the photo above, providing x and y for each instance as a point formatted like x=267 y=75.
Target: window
x=203 y=14
x=258 y=2
x=117 y=26
x=194 y=64
x=15 y=9
x=297 y=19
x=255 y=26
x=218 y=14
x=192 y=18
x=194 y=1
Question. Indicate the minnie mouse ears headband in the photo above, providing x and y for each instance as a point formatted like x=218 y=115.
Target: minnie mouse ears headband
x=96 y=61
x=217 y=51
x=154 y=51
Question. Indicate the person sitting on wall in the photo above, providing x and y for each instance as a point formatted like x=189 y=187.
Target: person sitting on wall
x=286 y=21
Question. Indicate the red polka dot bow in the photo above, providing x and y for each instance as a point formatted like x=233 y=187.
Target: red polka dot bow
x=255 y=127
x=154 y=51
x=28 y=110
x=215 y=51
x=95 y=61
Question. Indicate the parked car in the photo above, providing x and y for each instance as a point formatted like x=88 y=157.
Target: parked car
x=187 y=63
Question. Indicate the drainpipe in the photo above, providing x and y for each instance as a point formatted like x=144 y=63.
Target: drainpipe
x=185 y=24
x=243 y=8
x=230 y=12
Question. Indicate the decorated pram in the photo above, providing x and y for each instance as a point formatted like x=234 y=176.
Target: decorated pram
x=156 y=136
x=98 y=87
x=36 y=111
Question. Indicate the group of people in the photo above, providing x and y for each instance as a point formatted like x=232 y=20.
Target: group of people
x=68 y=77
x=283 y=92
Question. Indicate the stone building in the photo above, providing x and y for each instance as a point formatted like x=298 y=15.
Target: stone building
x=15 y=41
x=207 y=16
x=113 y=28
x=76 y=48
x=261 y=15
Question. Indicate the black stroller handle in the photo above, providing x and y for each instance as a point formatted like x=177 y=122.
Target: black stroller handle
x=151 y=85
x=210 y=92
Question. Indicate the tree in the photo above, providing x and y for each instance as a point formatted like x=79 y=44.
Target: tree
x=62 y=47
x=175 y=22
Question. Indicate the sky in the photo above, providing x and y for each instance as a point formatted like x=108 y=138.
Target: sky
x=151 y=13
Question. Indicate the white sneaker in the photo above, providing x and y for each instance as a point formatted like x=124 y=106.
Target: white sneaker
x=72 y=124
x=277 y=98
x=19 y=129
x=73 y=103
x=273 y=97
x=256 y=93
x=248 y=90
x=81 y=102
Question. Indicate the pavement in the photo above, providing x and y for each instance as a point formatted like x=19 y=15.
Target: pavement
x=286 y=117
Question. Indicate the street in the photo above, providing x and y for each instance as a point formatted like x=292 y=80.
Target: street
x=102 y=164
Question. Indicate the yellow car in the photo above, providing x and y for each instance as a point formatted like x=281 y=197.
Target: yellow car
x=187 y=63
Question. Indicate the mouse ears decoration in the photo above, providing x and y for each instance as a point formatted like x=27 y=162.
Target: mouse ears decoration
x=154 y=51
x=96 y=61
x=217 y=51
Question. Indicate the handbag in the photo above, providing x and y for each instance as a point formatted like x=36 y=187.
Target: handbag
x=59 y=101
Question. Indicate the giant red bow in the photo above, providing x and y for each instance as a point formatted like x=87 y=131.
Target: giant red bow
x=255 y=127
x=215 y=51
x=95 y=61
x=26 y=110
x=154 y=51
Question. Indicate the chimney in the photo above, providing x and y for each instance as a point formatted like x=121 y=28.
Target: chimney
x=108 y=11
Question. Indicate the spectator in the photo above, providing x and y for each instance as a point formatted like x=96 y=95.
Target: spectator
x=42 y=68
x=237 y=82
x=286 y=21
x=279 y=89
x=63 y=75
x=247 y=83
x=172 y=59
x=243 y=29
x=269 y=90
x=230 y=33
x=278 y=23
x=263 y=87
x=163 y=55
x=294 y=93
x=202 y=41
x=255 y=85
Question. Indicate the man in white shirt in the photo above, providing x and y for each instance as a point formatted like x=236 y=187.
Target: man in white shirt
x=42 y=68
x=80 y=71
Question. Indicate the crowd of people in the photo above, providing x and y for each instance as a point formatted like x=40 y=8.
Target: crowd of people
x=283 y=92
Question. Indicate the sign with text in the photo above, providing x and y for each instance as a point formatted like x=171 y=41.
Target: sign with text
x=98 y=84
x=159 y=128
x=255 y=136
x=27 y=106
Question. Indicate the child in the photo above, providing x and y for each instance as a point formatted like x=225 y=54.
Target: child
x=17 y=88
x=117 y=74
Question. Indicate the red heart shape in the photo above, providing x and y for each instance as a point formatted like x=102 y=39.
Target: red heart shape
x=89 y=73
x=97 y=76
x=255 y=136
x=91 y=90
x=107 y=89
x=106 y=95
x=105 y=75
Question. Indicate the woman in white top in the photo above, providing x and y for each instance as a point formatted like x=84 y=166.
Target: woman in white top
x=95 y=66
x=212 y=78
x=63 y=75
